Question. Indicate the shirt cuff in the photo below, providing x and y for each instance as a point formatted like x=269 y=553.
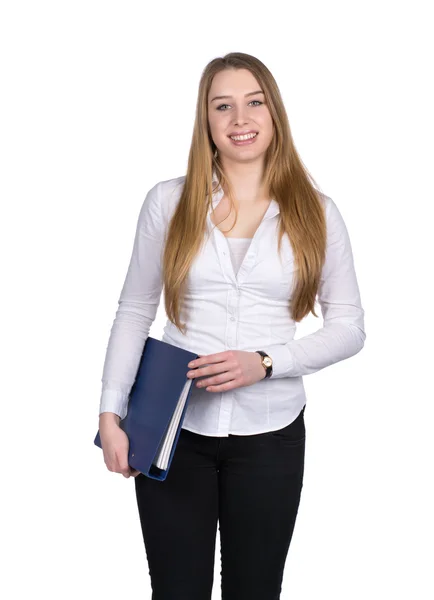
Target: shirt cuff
x=114 y=401
x=283 y=362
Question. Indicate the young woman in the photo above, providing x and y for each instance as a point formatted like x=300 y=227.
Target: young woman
x=243 y=244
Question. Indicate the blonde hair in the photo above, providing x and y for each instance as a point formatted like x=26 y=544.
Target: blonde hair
x=288 y=181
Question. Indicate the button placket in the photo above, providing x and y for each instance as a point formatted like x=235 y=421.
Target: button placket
x=235 y=281
x=225 y=413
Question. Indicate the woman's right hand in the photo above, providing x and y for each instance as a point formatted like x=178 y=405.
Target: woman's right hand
x=115 y=445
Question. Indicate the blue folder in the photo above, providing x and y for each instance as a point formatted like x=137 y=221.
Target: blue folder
x=156 y=407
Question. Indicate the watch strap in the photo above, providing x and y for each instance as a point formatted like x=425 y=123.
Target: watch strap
x=269 y=369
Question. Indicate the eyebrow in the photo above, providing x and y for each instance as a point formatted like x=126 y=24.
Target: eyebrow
x=249 y=94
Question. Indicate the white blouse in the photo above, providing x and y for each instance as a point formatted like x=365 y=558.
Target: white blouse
x=237 y=297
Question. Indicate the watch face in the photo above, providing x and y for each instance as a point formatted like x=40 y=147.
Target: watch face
x=267 y=361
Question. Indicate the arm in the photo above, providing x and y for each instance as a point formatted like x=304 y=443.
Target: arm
x=343 y=331
x=138 y=305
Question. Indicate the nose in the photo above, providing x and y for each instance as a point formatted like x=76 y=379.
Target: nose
x=240 y=116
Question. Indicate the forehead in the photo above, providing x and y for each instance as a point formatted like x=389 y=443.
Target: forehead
x=233 y=82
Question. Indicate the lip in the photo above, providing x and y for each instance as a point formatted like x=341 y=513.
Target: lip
x=247 y=142
x=242 y=132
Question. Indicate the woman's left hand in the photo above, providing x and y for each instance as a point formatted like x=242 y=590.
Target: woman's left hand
x=228 y=370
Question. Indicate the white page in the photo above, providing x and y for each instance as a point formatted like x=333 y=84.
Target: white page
x=166 y=445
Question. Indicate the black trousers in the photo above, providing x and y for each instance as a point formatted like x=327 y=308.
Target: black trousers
x=250 y=486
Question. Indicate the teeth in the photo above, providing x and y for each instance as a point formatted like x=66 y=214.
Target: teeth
x=248 y=136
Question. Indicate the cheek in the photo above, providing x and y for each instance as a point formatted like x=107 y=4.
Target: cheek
x=213 y=121
x=212 y=127
x=267 y=126
x=217 y=119
x=218 y=129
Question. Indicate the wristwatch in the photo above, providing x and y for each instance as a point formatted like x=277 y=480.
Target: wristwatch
x=267 y=363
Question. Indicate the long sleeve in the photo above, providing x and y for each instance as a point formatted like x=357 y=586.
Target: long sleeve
x=137 y=307
x=343 y=332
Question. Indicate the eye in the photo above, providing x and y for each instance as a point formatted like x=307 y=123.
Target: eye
x=220 y=107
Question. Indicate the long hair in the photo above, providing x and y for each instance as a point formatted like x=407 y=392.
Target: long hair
x=288 y=181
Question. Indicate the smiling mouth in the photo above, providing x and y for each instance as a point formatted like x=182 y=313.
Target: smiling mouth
x=244 y=137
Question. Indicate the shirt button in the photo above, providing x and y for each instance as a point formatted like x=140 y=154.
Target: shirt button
x=232 y=318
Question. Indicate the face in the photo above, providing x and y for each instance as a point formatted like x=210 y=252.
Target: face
x=239 y=112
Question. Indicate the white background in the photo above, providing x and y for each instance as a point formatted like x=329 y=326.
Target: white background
x=97 y=105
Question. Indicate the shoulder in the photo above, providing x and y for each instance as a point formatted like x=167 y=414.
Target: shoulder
x=334 y=217
x=337 y=230
x=161 y=197
x=157 y=205
x=335 y=223
x=169 y=186
x=166 y=194
x=326 y=202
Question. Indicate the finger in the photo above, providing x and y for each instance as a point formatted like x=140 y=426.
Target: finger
x=134 y=472
x=210 y=358
x=220 y=383
x=224 y=387
x=222 y=368
x=124 y=469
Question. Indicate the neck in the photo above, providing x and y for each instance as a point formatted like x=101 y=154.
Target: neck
x=246 y=182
